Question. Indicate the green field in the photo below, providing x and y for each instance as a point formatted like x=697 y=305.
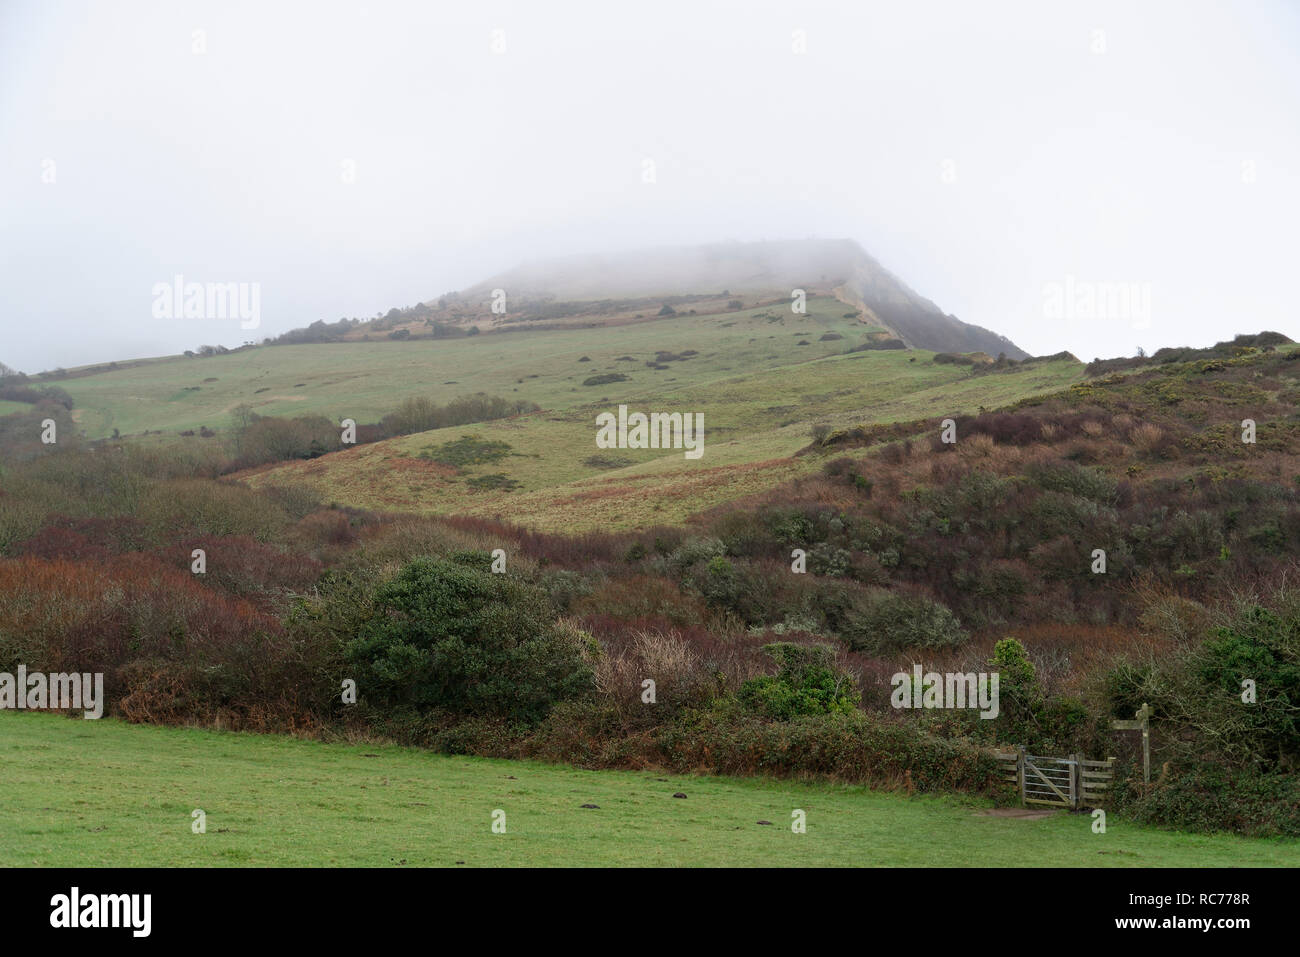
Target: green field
x=101 y=793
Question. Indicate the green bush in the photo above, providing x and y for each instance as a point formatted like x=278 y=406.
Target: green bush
x=695 y=550
x=1020 y=695
x=853 y=746
x=1072 y=479
x=806 y=683
x=1197 y=697
x=605 y=378
x=446 y=635
x=1212 y=798
x=467 y=450
x=1265 y=648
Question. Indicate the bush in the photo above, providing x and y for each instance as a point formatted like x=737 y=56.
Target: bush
x=1198 y=696
x=203 y=507
x=884 y=622
x=851 y=746
x=1265 y=648
x=273 y=439
x=1210 y=798
x=467 y=450
x=806 y=683
x=421 y=414
x=445 y=635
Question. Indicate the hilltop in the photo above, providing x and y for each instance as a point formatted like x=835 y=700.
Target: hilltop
x=838 y=267
x=646 y=285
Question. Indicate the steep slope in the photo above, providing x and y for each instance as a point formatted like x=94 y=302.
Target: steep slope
x=838 y=266
x=916 y=320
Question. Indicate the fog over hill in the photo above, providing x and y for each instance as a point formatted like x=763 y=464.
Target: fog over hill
x=840 y=266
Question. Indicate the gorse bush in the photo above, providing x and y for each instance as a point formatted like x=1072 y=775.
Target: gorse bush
x=467 y=450
x=806 y=683
x=1262 y=648
x=449 y=635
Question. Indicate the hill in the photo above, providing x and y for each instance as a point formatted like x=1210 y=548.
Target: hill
x=650 y=284
x=1104 y=541
x=838 y=266
x=762 y=378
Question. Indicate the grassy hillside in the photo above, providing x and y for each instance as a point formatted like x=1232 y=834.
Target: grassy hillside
x=105 y=793
x=762 y=376
x=754 y=423
x=364 y=380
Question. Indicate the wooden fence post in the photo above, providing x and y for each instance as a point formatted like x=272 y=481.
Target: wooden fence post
x=1020 y=772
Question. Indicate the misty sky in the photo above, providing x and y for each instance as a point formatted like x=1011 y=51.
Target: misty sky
x=981 y=151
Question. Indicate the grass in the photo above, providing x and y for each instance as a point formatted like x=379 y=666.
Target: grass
x=106 y=793
x=753 y=423
x=365 y=380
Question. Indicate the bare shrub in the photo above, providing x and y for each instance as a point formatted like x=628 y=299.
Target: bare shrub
x=1147 y=437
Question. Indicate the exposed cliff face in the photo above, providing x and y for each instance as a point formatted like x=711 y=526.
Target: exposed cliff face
x=840 y=266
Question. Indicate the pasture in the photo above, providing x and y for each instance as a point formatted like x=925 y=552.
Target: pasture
x=105 y=793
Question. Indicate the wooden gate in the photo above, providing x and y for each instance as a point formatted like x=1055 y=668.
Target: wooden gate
x=1049 y=781
x=1070 y=782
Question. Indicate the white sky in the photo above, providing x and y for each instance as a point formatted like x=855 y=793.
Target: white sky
x=1171 y=159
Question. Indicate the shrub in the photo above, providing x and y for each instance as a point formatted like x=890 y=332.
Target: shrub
x=806 y=683
x=204 y=507
x=1212 y=798
x=421 y=414
x=851 y=746
x=448 y=636
x=1265 y=648
x=1020 y=696
x=884 y=622
x=467 y=450
x=695 y=550
x=605 y=379
x=272 y=439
